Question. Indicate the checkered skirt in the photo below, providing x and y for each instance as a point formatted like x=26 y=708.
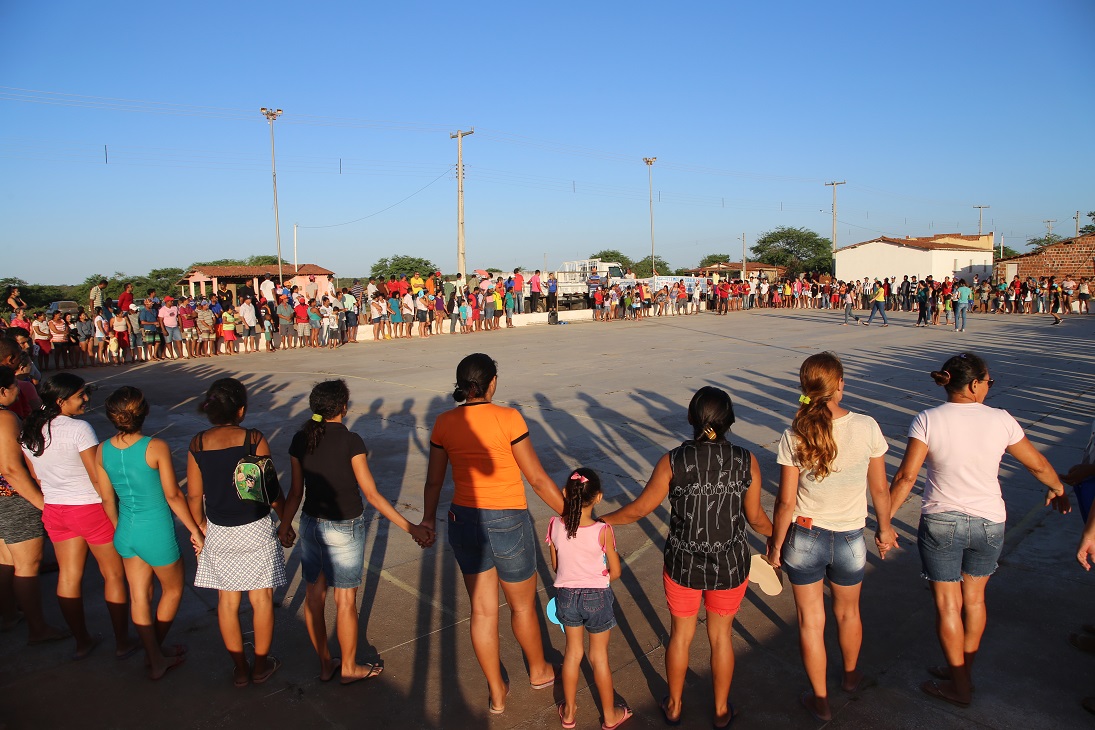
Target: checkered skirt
x=244 y=558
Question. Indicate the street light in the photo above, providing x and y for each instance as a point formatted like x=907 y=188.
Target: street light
x=650 y=179
x=271 y=115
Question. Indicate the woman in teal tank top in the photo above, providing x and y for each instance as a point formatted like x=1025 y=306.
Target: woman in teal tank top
x=136 y=473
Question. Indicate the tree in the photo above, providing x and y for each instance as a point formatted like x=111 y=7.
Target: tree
x=1090 y=227
x=798 y=249
x=713 y=258
x=610 y=254
x=399 y=265
x=1008 y=253
x=1040 y=243
x=642 y=267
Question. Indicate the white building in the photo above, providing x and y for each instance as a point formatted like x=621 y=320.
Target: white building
x=946 y=254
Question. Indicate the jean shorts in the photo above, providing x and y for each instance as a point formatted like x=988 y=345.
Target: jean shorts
x=482 y=539
x=588 y=607
x=335 y=548
x=812 y=554
x=953 y=544
x=174 y=334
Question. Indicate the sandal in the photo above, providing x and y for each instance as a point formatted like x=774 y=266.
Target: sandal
x=672 y=722
x=932 y=688
x=273 y=665
x=564 y=723
x=490 y=704
x=375 y=670
x=628 y=714
x=244 y=680
x=733 y=716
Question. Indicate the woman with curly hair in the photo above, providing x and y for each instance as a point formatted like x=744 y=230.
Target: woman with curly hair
x=829 y=458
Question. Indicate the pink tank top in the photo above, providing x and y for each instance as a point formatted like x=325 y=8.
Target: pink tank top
x=581 y=560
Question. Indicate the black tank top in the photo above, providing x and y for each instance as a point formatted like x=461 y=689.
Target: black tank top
x=706 y=548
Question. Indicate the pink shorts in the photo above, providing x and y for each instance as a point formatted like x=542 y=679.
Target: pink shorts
x=685 y=602
x=89 y=521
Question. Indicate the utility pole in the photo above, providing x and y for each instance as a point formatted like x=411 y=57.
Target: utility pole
x=650 y=179
x=295 y=264
x=1001 y=245
x=271 y=115
x=980 y=213
x=1077 y=219
x=834 y=184
x=461 y=264
x=1049 y=227
x=744 y=266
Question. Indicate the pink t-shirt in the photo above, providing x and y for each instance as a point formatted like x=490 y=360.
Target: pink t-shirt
x=581 y=561
x=534 y=284
x=169 y=315
x=966 y=442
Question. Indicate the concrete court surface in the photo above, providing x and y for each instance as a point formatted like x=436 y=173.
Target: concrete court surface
x=613 y=397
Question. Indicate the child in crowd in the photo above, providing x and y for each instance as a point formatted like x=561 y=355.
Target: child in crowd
x=585 y=561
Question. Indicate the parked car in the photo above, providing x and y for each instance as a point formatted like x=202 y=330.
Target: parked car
x=64 y=306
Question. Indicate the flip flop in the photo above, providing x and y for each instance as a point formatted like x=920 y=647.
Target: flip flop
x=180 y=659
x=802 y=699
x=942 y=671
x=932 y=689
x=497 y=710
x=564 y=723
x=733 y=716
x=865 y=682
x=545 y=685
x=79 y=656
x=128 y=652
x=767 y=578
x=337 y=663
x=241 y=681
x=273 y=665
x=665 y=713
x=628 y=714
x=374 y=671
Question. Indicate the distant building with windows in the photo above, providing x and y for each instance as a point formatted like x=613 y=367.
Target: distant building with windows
x=946 y=254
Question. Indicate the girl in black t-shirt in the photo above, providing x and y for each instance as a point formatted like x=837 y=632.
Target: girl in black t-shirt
x=330 y=475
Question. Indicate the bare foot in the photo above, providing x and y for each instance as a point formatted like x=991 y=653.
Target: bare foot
x=157 y=671
x=818 y=707
x=329 y=668
x=124 y=651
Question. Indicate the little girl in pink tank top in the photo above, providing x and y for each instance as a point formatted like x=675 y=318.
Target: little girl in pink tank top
x=585 y=561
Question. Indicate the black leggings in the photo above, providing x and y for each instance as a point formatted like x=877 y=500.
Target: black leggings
x=923 y=316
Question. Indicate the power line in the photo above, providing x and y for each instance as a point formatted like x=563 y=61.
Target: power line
x=384 y=210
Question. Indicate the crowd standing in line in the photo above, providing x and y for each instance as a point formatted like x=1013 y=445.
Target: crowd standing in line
x=322 y=315
x=116 y=499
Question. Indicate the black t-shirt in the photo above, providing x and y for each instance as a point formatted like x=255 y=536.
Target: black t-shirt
x=245 y=290
x=330 y=487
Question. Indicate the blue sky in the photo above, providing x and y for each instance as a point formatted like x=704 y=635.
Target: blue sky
x=925 y=109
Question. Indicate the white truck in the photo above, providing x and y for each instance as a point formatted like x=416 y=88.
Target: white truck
x=573 y=278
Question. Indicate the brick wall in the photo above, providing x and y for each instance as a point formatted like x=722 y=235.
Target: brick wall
x=1075 y=257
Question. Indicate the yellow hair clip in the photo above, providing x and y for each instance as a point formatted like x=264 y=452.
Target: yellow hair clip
x=804 y=399
x=709 y=434
x=317 y=418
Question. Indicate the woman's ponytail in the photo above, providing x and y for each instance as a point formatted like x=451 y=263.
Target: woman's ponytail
x=815 y=447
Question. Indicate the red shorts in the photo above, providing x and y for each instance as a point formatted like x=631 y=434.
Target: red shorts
x=89 y=521
x=684 y=602
x=44 y=346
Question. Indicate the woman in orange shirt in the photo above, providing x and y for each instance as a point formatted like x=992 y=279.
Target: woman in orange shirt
x=489 y=528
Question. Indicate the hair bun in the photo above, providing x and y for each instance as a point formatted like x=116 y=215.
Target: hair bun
x=941 y=377
x=459 y=395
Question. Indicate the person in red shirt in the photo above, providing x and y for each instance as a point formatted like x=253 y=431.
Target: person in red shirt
x=518 y=291
x=125 y=298
x=724 y=296
x=598 y=305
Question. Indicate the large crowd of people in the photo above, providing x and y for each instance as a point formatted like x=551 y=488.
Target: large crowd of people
x=322 y=315
x=118 y=499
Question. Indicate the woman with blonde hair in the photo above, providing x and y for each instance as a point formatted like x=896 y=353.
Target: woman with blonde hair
x=829 y=458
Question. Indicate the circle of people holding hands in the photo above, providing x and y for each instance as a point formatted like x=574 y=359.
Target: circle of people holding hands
x=119 y=499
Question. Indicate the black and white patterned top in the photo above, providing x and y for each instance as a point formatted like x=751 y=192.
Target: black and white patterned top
x=706 y=547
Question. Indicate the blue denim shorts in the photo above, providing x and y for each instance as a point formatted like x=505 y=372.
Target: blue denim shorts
x=812 y=554
x=334 y=548
x=588 y=607
x=953 y=544
x=482 y=539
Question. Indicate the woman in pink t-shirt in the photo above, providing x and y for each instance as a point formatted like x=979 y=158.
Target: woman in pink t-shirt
x=961 y=533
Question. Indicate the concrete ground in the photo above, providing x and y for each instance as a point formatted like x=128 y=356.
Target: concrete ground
x=613 y=397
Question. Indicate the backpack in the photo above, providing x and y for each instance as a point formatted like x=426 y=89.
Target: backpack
x=255 y=478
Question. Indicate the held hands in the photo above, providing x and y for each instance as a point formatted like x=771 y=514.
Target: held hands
x=287 y=535
x=424 y=535
x=197 y=539
x=773 y=556
x=1078 y=473
x=1059 y=501
x=885 y=541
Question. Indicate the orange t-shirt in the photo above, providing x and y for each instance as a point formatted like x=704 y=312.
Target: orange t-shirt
x=478 y=439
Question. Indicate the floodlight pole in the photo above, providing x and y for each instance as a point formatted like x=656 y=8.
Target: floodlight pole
x=271 y=115
x=461 y=263
x=980 y=214
x=650 y=179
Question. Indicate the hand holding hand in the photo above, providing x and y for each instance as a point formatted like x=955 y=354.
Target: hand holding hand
x=287 y=535
x=885 y=541
x=423 y=535
x=197 y=539
x=1059 y=501
x=773 y=556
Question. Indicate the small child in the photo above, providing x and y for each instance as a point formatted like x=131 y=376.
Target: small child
x=585 y=561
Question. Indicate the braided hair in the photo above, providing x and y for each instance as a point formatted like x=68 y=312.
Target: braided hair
x=582 y=488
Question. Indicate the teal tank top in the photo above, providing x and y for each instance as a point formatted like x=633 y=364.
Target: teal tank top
x=140 y=494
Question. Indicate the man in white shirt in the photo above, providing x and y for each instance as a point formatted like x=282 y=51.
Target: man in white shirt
x=267 y=289
x=246 y=310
